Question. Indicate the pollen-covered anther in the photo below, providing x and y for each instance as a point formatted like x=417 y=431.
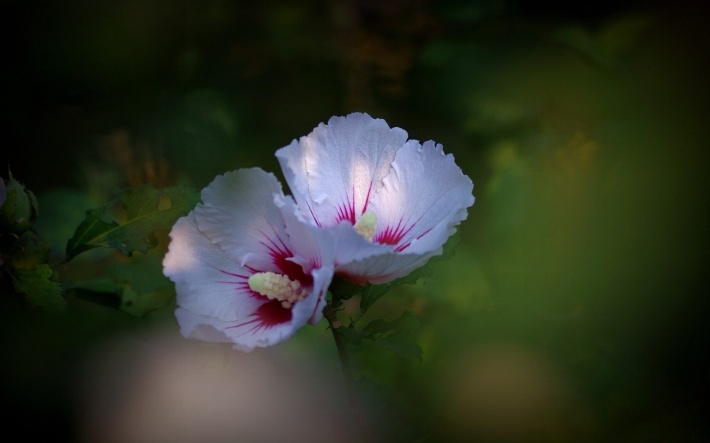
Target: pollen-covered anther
x=278 y=287
x=365 y=226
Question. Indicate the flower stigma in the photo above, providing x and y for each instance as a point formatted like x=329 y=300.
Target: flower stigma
x=278 y=287
x=365 y=226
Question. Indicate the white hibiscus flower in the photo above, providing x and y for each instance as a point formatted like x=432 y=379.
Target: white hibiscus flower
x=402 y=199
x=246 y=270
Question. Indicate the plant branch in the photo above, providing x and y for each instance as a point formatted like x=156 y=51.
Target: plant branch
x=345 y=366
x=331 y=314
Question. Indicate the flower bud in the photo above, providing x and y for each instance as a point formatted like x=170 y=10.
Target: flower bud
x=19 y=208
x=27 y=250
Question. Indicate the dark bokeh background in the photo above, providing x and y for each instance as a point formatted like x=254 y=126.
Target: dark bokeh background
x=575 y=308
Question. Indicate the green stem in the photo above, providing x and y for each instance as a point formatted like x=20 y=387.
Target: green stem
x=345 y=366
x=58 y=263
x=331 y=314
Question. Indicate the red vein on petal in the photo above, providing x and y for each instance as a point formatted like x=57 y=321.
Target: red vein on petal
x=313 y=215
x=392 y=235
x=367 y=198
x=280 y=254
x=241 y=285
x=268 y=315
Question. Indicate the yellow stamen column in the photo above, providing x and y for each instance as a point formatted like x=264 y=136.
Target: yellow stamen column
x=365 y=226
x=278 y=287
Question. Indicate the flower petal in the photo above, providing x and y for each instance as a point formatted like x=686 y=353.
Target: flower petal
x=423 y=198
x=384 y=267
x=245 y=336
x=216 y=303
x=314 y=304
x=207 y=281
x=339 y=244
x=335 y=170
x=318 y=249
x=266 y=325
x=239 y=215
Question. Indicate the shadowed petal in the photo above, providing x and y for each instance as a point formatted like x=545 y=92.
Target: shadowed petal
x=207 y=281
x=268 y=326
x=384 y=267
x=213 y=293
x=239 y=215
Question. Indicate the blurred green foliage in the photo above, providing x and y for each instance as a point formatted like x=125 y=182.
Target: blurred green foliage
x=575 y=306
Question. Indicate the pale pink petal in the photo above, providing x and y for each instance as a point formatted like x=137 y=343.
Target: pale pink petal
x=237 y=213
x=267 y=325
x=383 y=268
x=257 y=332
x=202 y=327
x=312 y=246
x=312 y=307
x=318 y=249
x=423 y=198
x=335 y=170
x=216 y=303
x=292 y=159
x=356 y=164
x=340 y=245
x=315 y=246
x=207 y=281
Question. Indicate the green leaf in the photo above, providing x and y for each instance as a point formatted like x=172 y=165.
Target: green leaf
x=140 y=304
x=401 y=345
x=372 y=293
x=352 y=335
x=395 y=335
x=62 y=211
x=40 y=291
x=122 y=295
x=407 y=323
x=89 y=233
x=343 y=289
x=129 y=223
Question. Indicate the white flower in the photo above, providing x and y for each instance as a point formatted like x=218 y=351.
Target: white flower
x=246 y=270
x=401 y=199
x=251 y=265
